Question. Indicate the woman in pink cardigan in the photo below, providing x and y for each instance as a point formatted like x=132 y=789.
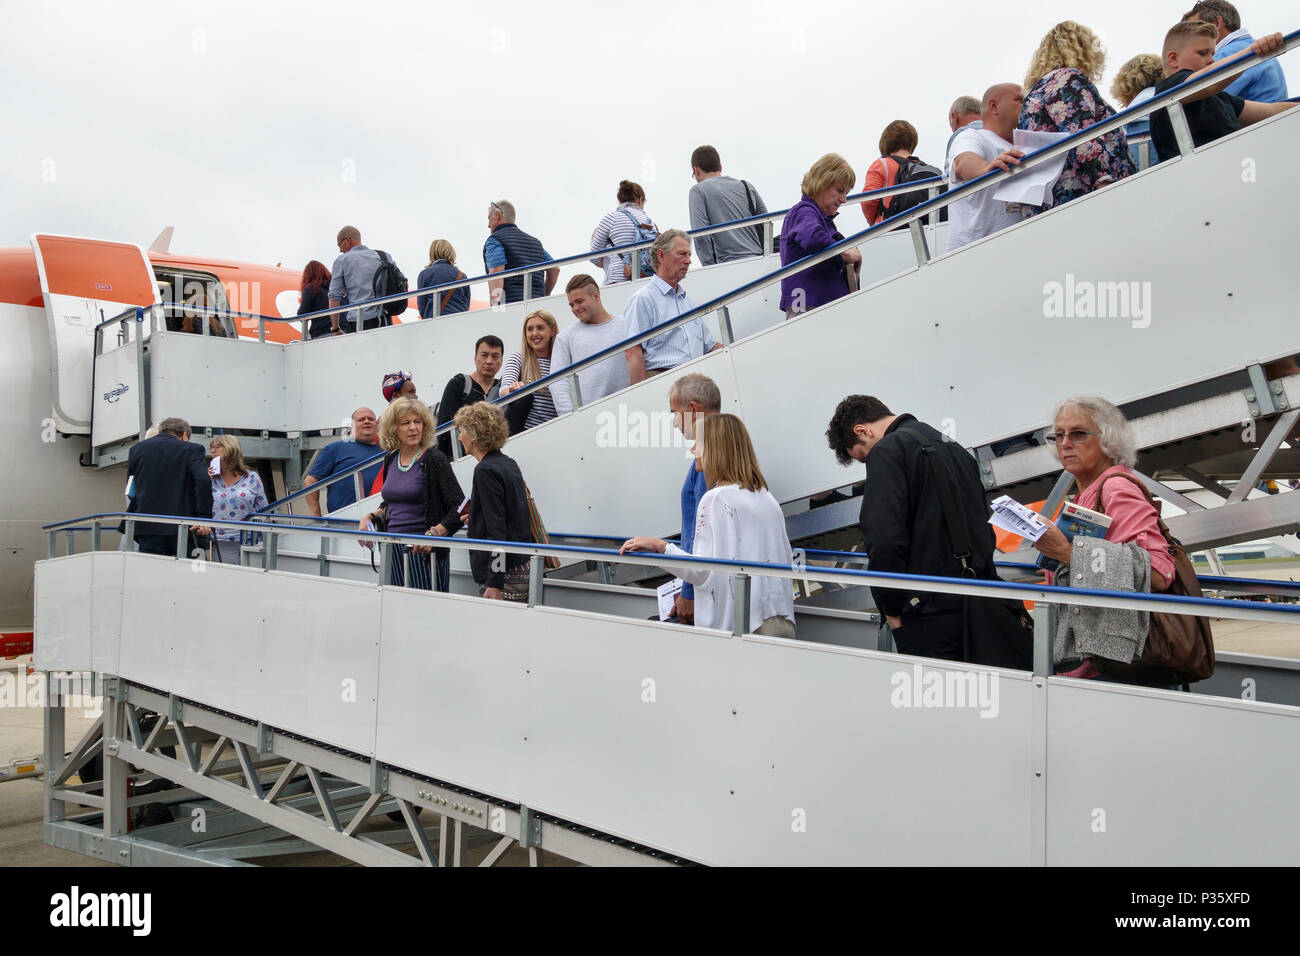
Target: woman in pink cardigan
x=1095 y=444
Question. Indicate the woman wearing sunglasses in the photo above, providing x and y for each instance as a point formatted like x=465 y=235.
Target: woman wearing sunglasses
x=1095 y=444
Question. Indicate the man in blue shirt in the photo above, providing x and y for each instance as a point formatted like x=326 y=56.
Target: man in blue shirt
x=661 y=300
x=509 y=247
x=342 y=455
x=1263 y=83
x=691 y=398
x=353 y=281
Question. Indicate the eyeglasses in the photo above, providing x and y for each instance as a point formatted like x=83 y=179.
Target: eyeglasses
x=1076 y=435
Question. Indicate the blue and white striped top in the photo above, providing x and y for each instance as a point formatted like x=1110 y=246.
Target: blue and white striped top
x=543 y=404
x=615 y=229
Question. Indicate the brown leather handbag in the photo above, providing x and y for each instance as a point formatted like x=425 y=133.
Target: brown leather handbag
x=1180 y=647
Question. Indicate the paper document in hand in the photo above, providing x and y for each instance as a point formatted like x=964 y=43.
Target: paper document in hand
x=1011 y=515
x=1032 y=186
x=668 y=598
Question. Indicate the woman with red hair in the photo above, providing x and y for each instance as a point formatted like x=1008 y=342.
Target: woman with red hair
x=315 y=298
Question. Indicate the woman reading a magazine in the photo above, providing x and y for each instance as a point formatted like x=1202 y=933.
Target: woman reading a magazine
x=1094 y=442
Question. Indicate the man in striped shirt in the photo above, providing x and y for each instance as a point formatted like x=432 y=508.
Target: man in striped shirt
x=661 y=300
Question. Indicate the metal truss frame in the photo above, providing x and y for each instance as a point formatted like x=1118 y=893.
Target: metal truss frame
x=259 y=792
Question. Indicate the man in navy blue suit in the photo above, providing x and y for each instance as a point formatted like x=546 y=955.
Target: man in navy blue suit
x=170 y=477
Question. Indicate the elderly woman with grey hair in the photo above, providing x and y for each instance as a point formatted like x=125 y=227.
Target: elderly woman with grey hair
x=1095 y=444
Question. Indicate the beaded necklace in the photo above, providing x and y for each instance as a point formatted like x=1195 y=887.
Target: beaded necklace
x=401 y=467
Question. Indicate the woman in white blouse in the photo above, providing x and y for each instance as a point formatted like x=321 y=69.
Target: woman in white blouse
x=737 y=519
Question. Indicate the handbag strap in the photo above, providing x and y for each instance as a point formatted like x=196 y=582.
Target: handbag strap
x=1173 y=542
x=958 y=535
x=450 y=292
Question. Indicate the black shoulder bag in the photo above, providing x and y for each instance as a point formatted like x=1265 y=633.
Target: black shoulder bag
x=996 y=632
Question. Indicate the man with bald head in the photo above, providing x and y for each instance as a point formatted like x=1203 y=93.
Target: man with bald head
x=975 y=152
x=965 y=111
x=353 y=281
x=342 y=455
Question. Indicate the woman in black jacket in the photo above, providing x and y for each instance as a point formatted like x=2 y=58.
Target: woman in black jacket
x=421 y=495
x=315 y=297
x=498 y=509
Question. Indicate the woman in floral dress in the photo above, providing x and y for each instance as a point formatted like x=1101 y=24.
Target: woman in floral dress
x=1061 y=96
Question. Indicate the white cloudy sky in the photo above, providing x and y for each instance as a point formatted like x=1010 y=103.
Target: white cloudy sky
x=257 y=129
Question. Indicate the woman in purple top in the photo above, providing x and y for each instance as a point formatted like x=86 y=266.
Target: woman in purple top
x=1061 y=97
x=808 y=229
x=421 y=495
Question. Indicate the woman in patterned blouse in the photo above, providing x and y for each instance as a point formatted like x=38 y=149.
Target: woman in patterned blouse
x=237 y=492
x=1061 y=97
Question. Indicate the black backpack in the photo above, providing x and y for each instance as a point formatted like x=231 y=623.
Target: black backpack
x=389 y=281
x=910 y=170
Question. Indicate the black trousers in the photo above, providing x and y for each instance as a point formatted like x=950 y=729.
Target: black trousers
x=938 y=634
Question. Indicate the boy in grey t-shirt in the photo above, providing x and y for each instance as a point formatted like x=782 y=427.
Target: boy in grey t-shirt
x=595 y=331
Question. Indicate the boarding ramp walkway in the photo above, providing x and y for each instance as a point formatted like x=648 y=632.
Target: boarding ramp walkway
x=291 y=399
x=310 y=705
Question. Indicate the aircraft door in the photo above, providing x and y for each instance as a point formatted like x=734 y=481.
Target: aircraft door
x=84 y=282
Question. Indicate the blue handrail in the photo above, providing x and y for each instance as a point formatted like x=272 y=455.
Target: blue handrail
x=1040 y=592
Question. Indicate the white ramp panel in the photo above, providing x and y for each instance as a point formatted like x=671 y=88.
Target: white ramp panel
x=723 y=751
x=64 y=612
x=1151 y=778
x=231 y=383
x=296 y=652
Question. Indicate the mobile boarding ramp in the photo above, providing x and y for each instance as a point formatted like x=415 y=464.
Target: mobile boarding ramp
x=304 y=705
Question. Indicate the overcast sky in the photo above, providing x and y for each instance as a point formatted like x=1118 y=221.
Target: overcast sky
x=258 y=129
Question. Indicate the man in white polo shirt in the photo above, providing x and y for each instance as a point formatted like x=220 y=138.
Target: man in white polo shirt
x=974 y=152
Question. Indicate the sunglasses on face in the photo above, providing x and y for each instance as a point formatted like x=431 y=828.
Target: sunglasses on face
x=1076 y=436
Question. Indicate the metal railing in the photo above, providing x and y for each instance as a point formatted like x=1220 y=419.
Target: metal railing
x=744 y=571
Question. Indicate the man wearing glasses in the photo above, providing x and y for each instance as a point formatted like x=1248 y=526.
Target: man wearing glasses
x=509 y=247
x=902 y=519
x=353 y=281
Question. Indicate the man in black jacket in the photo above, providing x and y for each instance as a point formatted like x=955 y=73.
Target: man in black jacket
x=170 y=477
x=903 y=526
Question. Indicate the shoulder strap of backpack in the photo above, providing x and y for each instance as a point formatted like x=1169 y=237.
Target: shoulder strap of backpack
x=753 y=211
x=469 y=384
x=958 y=537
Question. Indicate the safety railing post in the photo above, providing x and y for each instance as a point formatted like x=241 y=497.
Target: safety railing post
x=1182 y=132
x=575 y=391
x=725 y=331
x=385 y=556
x=535 y=580
x=271 y=550
x=1043 y=640
x=182 y=541
x=356 y=486
x=740 y=618
x=95 y=531
x=261 y=329
x=69 y=542
x=49 y=549
x=528 y=288
x=919 y=244
x=769 y=230
x=140 y=397
x=128 y=534
x=456 y=452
